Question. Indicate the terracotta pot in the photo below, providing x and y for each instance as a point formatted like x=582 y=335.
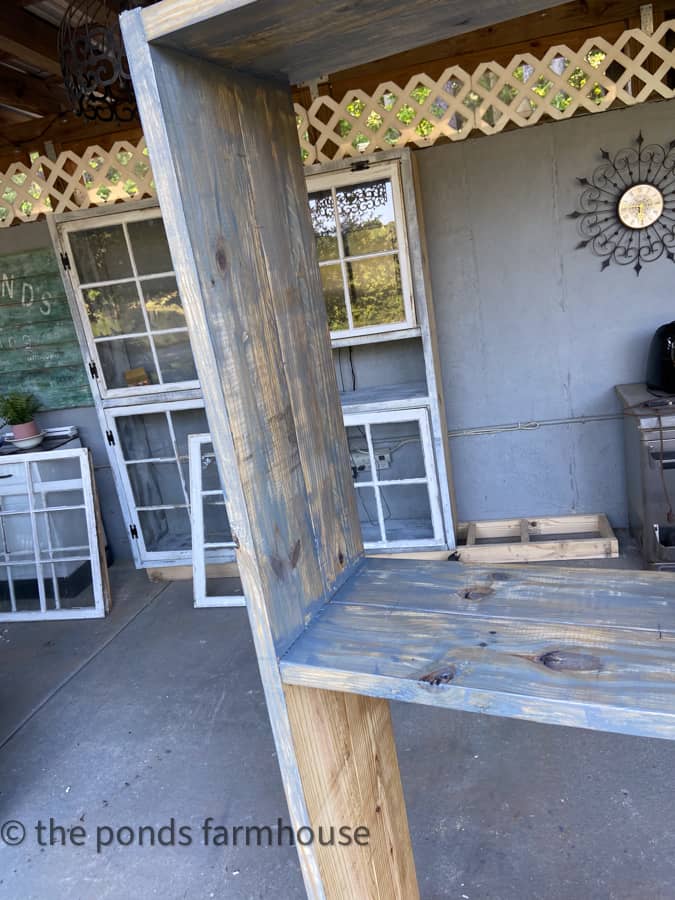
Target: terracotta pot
x=27 y=430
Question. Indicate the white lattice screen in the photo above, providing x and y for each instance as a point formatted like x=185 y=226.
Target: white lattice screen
x=635 y=68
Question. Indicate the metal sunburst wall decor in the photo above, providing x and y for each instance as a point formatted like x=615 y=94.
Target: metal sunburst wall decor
x=626 y=209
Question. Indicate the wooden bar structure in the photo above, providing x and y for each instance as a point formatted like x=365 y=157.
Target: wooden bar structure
x=337 y=635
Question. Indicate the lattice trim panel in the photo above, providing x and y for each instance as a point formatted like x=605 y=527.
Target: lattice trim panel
x=635 y=68
x=73 y=182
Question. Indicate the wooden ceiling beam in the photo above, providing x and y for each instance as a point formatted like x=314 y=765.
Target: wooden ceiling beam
x=28 y=38
x=30 y=94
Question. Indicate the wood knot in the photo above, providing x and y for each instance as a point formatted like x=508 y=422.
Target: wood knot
x=221 y=256
x=570 y=661
x=477 y=593
x=439 y=676
x=341 y=558
x=500 y=576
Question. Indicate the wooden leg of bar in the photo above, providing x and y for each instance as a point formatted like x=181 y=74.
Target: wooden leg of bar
x=346 y=755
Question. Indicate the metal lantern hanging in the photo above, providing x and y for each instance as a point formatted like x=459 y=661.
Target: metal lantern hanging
x=93 y=60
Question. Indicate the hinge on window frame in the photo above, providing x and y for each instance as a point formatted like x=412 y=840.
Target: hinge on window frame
x=360 y=166
x=93 y=370
x=65 y=261
x=110 y=437
x=133 y=531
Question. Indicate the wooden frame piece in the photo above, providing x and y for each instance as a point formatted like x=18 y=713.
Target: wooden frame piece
x=377 y=481
x=221 y=553
x=46 y=560
x=536 y=539
x=388 y=170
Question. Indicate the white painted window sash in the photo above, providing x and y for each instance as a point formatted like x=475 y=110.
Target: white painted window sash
x=87 y=224
x=199 y=544
x=375 y=483
x=50 y=558
x=331 y=181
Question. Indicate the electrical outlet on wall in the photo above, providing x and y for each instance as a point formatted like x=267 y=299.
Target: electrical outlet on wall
x=361 y=459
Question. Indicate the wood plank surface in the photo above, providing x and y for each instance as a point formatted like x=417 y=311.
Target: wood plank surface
x=345 y=749
x=303 y=39
x=594 y=597
x=584 y=648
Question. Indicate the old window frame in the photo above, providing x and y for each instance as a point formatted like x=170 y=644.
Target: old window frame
x=205 y=553
x=420 y=415
x=46 y=561
x=105 y=220
x=342 y=178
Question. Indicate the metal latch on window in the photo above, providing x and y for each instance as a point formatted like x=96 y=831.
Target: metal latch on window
x=133 y=531
x=93 y=370
x=65 y=261
x=110 y=437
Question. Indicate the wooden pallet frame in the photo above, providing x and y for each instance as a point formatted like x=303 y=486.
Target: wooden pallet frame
x=518 y=539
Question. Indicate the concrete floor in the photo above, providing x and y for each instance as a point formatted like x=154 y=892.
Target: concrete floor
x=157 y=712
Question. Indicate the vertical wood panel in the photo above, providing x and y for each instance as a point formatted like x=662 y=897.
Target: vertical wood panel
x=225 y=159
x=263 y=318
x=346 y=754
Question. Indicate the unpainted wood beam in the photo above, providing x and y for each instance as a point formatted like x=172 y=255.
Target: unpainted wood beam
x=26 y=92
x=344 y=745
x=28 y=38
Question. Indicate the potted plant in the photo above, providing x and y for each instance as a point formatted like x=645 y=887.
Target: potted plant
x=18 y=410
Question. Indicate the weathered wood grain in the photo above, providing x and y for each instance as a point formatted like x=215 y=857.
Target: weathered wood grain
x=303 y=39
x=345 y=749
x=577 y=597
x=261 y=316
x=238 y=228
x=608 y=679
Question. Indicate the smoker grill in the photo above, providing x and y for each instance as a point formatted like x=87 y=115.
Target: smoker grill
x=649 y=434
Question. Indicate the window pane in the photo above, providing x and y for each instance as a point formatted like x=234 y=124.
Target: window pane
x=156 y=484
x=367 y=508
x=163 y=304
x=375 y=291
x=149 y=246
x=407 y=513
x=323 y=221
x=401 y=446
x=367 y=217
x=210 y=474
x=62 y=533
x=334 y=297
x=25 y=586
x=17 y=537
x=174 y=354
x=127 y=363
x=145 y=437
x=13 y=494
x=187 y=422
x=114 y=309
x=100 y=254
x=216 y=524
x=358 y=453
x=166 y=529
x=75 y=585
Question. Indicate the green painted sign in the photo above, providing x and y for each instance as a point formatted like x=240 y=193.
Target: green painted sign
x=39 y=352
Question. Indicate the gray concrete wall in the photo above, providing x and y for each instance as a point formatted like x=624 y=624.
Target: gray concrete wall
x=33 y=236
x=530 y=328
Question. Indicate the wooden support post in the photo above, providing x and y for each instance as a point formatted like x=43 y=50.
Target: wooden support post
x=229 y=179
x=346 y=755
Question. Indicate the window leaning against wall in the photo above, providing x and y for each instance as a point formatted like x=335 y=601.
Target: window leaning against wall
x=126 y=289
x=359 y=225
